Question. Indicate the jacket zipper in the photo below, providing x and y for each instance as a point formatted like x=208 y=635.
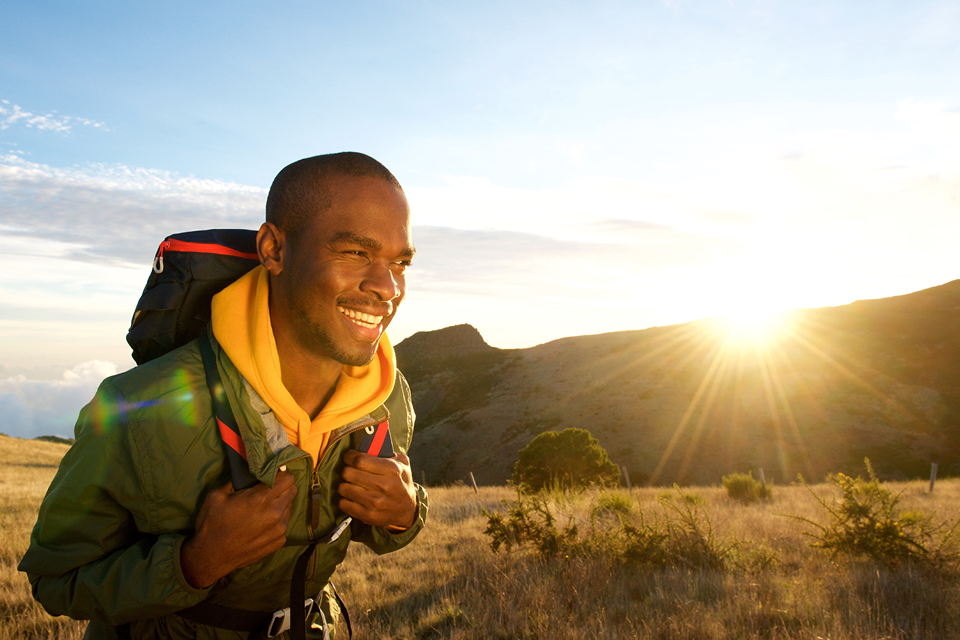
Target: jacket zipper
x=313 y=521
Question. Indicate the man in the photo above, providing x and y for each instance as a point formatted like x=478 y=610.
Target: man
x=139 y=531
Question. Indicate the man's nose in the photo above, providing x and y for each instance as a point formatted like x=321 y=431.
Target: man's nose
x=381 y=280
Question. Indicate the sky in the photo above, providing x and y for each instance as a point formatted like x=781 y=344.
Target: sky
x=572 y=167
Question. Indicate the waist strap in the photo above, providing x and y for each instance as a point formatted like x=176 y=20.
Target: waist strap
x=215 y=615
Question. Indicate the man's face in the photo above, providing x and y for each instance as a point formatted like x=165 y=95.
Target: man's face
x=343 y=279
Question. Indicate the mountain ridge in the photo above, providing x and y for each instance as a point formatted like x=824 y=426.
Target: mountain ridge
x=687 y=403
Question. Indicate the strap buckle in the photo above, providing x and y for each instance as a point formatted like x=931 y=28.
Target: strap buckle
x=280 y=621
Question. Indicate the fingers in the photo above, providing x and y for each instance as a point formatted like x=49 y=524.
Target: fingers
x=354 y=458
x=378 y=491
x=237 y=528
x=365 y=464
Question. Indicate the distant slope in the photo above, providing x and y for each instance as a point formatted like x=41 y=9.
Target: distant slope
x=689 y=403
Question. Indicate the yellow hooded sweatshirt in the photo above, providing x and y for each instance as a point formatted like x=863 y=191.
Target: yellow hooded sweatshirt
x=241 y=324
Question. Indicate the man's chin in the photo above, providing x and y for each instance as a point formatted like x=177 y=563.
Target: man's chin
x=356 y=360
x=344 y=351
x=357 y=357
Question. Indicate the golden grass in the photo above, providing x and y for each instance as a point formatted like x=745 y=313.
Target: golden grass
x=449 y=584
x=26 y=469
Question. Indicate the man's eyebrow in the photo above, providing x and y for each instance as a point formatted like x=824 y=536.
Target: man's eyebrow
x=368 y=243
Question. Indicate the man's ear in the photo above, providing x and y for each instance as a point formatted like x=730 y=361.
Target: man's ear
x=270 y=244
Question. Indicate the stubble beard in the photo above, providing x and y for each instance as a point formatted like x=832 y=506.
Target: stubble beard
x=322 y=343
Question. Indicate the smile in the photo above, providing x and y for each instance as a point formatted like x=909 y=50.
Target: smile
x=362 y=319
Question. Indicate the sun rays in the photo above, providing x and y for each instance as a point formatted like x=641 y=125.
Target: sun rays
x=798 y=392
x=773 y=346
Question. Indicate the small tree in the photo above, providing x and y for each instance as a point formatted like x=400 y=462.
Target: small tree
x=568 y=458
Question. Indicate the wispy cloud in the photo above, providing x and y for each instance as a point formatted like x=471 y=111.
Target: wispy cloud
x=13 y=115
x=114 y=213
x=32 y=408
x=524 y=267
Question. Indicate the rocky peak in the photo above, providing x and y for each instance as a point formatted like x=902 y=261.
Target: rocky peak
x=449 y=342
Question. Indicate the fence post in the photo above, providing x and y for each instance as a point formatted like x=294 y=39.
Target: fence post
x=474 y=483
x=626 y=477
x=933 y=475
x=763 y=480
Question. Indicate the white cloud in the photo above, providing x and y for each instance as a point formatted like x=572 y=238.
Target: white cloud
x=32 y=408
x=113 y=213
x=75 y=249
x=13 y=115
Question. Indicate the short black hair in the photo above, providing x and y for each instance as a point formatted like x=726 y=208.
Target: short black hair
x=301 y=189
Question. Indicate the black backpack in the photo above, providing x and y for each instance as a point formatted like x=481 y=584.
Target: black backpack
x=188 y=270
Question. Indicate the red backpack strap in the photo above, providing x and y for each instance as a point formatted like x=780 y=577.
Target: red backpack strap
x=233 y=444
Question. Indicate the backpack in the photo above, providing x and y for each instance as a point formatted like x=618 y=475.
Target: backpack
x=188 y=270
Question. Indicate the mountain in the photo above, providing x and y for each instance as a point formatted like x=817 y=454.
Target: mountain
x=689 y=403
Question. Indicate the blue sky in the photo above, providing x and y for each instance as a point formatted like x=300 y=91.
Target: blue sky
x=572 y=167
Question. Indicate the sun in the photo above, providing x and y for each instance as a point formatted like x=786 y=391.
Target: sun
x=753 y=323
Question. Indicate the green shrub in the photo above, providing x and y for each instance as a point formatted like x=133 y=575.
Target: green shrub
x=690 y=541
x=568 y=459
x=529 y=521
x=680 y=536
x=692 y=499
x=864 y=521
x=743 y=487
x=613 y=503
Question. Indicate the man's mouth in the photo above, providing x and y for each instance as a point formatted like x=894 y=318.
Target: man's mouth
x=364 y=320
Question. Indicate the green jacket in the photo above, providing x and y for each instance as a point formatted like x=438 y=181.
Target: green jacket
x=106 y=546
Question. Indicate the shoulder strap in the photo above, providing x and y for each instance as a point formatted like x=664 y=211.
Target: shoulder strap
x=236 y=453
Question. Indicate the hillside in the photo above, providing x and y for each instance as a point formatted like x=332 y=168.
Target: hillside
x=689 y=403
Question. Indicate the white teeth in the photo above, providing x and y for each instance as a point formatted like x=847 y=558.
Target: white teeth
x=362 y=319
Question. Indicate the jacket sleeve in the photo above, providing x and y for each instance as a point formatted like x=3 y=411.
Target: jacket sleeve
x=92 y=555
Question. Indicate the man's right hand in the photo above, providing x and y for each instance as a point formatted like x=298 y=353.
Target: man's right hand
x=234 y=529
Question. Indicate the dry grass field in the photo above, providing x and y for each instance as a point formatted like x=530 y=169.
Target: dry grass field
x=26 y=468
x=450 y=584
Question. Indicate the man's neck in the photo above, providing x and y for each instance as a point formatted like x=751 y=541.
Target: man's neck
x=310 y=380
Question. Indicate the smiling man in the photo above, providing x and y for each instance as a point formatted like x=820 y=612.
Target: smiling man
x=139 y=531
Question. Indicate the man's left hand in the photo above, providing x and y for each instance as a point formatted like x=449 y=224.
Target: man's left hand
x=378 y=491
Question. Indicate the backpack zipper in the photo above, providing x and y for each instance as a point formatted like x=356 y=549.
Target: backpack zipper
x=197 y=247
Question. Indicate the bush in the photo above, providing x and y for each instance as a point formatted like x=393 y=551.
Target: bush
x=529 y=521
x=567 y=459
x=613 y=503
x=743 y=487
x=864 y=521
x=618 y=529
x=683 y=538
